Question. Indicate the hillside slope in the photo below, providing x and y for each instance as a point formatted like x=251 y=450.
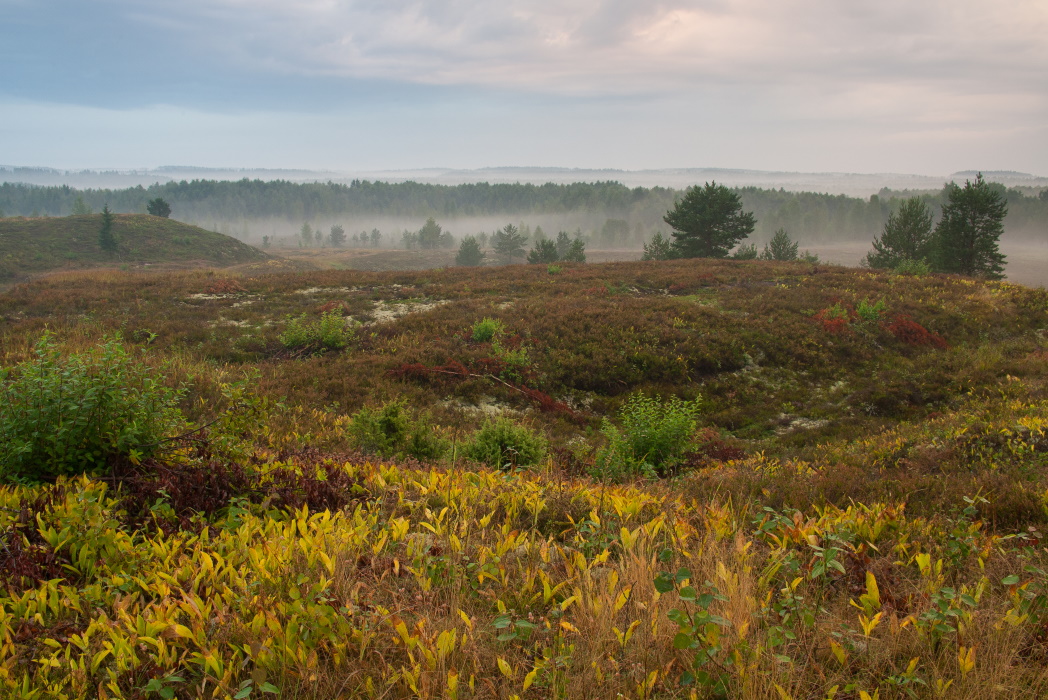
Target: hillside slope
x=29 y=246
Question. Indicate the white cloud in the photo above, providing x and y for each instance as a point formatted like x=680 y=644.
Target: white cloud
x=622 y=46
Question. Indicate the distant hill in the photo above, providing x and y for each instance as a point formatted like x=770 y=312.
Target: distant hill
x=34 y=245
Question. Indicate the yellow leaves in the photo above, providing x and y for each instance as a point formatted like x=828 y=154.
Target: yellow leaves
x=870 y=601
x=624 y=637
x=966 y=660
x=869 y=624
x=839 y=653
x=506 y=670
x=622 y=598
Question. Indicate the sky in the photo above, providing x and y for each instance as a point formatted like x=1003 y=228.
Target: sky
x=903 y=86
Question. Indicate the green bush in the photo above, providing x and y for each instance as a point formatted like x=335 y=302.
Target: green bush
x=486 y=329
x=504 y=444
x=73 y=414
x=653 y=436
x=914 y=268
x=391 y=431
x=329 y=332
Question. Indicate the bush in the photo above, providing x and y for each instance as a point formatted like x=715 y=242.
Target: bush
x=914 y=268
x=486 y=329
x=329 y=332
x=653 y=437
x=502 y=443
x=70 y=415
x=745 y=252
x=391 y=431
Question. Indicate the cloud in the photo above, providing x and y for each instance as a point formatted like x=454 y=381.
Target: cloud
x=623 y=46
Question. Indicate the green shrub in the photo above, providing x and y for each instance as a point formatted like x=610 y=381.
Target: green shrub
x=502 y=443
x=871 y=313
x=329 y=332
x=914 y=268
x=391 y=431
x=73 y=414
x=653 y=436
x=486 y=329
x=745 y=252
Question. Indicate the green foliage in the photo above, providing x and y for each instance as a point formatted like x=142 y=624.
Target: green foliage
x=432 y=236
x=576 y=252
x=329 y=332
x=966 y=237
x=503 y=443
x=745 y=252
x=469 y=253
x=486 y=329
x=543 y=252
x=563 y=244
x=80 y=207
x=781 y=247
x=391 y=431
x=708 y=222
x=73 y=414
x=653 y=436
x=337 y=236
x=871 y=313
x=907 y=236
x=915 y=268
x=306 y=234
x=159 y=207
x=700 y=631
x=509 y=243
x=106 y=239
x=659 y=248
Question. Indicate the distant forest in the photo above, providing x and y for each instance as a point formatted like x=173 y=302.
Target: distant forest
x=630 y=214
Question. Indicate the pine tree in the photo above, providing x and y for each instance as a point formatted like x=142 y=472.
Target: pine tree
x=907 y=236
x=708 y=222
x=158 y=207
x=781 y=247
x=106 y=239
x=469 y=254
x=337 y=235
x=966 y=237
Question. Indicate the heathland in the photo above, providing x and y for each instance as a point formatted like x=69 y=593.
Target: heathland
x=690 y=478
x=33 y=245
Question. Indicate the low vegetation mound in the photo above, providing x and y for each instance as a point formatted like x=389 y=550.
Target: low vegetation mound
x=35 y=245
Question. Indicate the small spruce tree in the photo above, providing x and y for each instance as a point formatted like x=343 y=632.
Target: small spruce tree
x=469 y=253
x=106 y=239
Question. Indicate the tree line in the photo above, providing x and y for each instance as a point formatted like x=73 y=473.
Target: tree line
x=632 y=213
x=710 y=222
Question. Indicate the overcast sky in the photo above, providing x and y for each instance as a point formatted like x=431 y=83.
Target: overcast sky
x=908 y=86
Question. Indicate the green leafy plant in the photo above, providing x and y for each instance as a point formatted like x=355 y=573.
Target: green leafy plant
x=487 y=329
x=503 y=443
x=329 y=332
x=652 y=437
x=69 y=414
x=914 y=268
x=391 y=431
x=700 y=631
x=871 y=313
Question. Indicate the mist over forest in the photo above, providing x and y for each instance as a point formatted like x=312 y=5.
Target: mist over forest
x=607 y=215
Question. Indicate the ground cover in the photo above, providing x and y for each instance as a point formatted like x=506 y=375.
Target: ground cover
x=858 y=512
x=34 y=245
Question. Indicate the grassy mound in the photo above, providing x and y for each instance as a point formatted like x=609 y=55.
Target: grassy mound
x=30 y=246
